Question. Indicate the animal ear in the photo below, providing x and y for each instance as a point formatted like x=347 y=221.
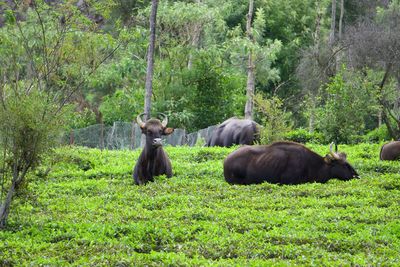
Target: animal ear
x=342 y=155
x=328 y=159
x=168 y=131
x=143 y=128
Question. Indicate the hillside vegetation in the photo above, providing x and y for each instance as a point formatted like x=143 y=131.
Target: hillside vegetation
x=87 y=211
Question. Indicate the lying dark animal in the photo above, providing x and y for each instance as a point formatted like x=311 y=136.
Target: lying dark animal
x=284 y=163
x=235 y=131
x=390 y=151
x=153 y=160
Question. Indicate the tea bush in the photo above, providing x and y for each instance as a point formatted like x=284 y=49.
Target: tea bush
x=304 y=136
x=87 y=211
x=377 y=135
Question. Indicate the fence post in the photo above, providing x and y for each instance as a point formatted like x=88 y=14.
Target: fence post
x=102 y=136
x=133 y=135
x=71 y=138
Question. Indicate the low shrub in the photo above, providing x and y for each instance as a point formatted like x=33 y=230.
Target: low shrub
x=377 y=135
x=304 y=136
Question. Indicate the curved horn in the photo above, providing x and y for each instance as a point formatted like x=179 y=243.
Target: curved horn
x=139 y=120
x=165 y=119
x=333 y=154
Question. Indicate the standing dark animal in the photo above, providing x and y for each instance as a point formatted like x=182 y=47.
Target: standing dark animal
x=153 y=160
x=235 y=131
x=284 y=163
x=390 y=151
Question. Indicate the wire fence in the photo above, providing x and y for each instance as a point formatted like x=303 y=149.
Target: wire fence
x=125 y=135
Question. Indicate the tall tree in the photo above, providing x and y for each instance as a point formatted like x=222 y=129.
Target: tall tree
x=150 y=60
x=248 y=111
x=310 y=71
x=376 y=45
x=333 y=24
x=255 y=53
x=341 y=19
x=40 y=73
x=314 y=89
x=195 y=39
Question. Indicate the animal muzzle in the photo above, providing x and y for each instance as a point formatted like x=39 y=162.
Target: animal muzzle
x=157 y=142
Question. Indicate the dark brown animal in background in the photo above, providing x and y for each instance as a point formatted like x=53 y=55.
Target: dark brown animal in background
x=390 y=151
x=153 y=160
x=284 y=163
x=235 y=131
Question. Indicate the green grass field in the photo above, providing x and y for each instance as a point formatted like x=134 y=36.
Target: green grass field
x=88 y=212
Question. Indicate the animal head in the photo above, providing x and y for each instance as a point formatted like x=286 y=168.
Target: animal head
x=339 y=166
x=154 y=129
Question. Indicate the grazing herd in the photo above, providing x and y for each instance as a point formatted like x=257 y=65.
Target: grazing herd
x=279 y=162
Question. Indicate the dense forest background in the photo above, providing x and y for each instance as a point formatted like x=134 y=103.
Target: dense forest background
x=328 y=66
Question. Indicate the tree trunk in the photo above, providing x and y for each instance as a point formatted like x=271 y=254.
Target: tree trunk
x=317 y=27
x=248 y=111
x=397 y=103
x=18 y=177
x=392 y=132
x=98 y=114
x=195 y=43
x=311 y=125
x=333 y=24
x=5 y=206
x=195 y=39
x=150 y=60
x=341 y=19
x=338 y=57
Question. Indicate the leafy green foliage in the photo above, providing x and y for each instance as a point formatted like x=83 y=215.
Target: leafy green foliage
x=215 y=91
x=30 y=126
x=180 y=19
x=45 y=58
x=292 y=22
x=275 y=121
x=377 y=135
x=301 y=135
x=121 y=106
x=265 y=52
x=185 y=31
x=346 y=105
x=77 y=120
x=82 y=216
